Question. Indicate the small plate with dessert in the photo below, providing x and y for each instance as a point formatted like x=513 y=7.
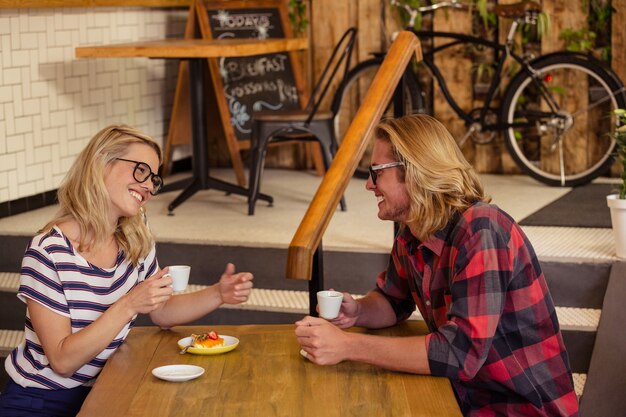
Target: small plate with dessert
x=208 y=343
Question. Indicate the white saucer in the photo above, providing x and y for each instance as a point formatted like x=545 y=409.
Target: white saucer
x=177 y=373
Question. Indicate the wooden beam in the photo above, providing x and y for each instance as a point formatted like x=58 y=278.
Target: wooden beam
x=618 y=37
x=43 y=4
x=192 y=48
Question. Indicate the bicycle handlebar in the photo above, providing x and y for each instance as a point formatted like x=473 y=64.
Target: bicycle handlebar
x=526 y=10
x=413 y=12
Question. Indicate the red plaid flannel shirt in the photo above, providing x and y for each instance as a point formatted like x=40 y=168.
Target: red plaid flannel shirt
x=494 y=330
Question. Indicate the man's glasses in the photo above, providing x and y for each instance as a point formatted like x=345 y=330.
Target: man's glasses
x=142 y=172
x=375 y=168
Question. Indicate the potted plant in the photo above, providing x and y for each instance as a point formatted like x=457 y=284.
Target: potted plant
x=617 y=202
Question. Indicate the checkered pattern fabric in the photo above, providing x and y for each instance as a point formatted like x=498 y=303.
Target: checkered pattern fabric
x=494 y=329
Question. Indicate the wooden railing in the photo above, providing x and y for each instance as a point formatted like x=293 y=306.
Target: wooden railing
x=309 y=234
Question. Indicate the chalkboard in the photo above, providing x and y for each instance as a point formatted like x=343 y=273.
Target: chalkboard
x=238 y=85
x=262 y=82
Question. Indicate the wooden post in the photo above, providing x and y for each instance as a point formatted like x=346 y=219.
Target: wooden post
x=508 y=166
x=618 y=39
x=179 y=132
x=618 y=53
x=455 y=69
x=329 y=20
x=564 y=14
x=487 y=156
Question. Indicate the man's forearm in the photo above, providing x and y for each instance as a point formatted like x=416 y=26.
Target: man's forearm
x=404 y=354
x=375 y=312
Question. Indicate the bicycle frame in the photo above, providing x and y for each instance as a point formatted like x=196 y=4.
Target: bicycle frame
x=502 y=52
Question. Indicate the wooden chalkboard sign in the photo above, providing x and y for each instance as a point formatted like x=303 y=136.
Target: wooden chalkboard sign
x=262 y=82
x=240 y=85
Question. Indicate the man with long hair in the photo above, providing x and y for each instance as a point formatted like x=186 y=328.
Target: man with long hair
x=471 y=272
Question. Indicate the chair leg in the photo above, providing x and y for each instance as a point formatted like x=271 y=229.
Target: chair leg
x=328 y=157
x=259 y=141
x=325 y=135
x=253 y=180
x=253 y=176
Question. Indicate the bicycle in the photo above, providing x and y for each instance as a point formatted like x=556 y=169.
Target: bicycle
x=555 y=113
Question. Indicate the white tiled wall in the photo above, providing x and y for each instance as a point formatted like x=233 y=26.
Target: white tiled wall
x=51 y=103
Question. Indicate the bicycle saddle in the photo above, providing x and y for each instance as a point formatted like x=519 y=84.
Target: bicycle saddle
x=517 y=10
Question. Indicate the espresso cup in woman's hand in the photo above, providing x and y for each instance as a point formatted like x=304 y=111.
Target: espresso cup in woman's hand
x=179 y=275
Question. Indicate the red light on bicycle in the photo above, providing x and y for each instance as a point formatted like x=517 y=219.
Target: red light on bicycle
x=547 y=78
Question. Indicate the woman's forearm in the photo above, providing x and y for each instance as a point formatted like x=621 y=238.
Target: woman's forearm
x=185 y=308
x=66 y=351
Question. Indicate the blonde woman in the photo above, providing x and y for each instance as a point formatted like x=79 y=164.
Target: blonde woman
x=471 y=272
x=90 y=271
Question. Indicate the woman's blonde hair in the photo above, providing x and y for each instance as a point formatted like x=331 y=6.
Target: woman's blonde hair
x=83 y=196
x=438 y=178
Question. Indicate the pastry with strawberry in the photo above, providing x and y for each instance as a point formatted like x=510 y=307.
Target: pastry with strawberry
x=207 y=340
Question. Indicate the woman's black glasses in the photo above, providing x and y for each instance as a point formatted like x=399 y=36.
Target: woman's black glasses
x=142 y=172
x=375 y=168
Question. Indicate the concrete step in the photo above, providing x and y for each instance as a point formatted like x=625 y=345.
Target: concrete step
x=579 y=383
x=577 y=286
x=297 y=302
x=270 y=306
x=572 y=244
x=284 y=306
x=8 y=340
x=574 y=260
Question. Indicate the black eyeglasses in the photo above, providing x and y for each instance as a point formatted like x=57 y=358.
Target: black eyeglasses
x=142 y=172
x=375 y=168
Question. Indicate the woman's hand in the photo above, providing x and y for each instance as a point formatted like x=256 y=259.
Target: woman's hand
x=235 y=288
x=150 y=294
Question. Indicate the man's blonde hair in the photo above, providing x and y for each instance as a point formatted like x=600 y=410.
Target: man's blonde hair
x=83 y=196
x=438 y=178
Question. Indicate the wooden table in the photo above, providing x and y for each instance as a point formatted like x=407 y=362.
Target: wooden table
x=197 y=51
x=264 y=376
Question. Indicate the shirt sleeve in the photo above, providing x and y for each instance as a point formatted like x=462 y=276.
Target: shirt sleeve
x=481 y=270
x=149 y=266
x=40 y=281
x=393 y=285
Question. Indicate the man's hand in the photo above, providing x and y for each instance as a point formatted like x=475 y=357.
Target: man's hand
x=348 y=313
x=323 y=342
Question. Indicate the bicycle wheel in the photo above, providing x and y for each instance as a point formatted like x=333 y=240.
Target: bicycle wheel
x=348 y=99
x=560 y=120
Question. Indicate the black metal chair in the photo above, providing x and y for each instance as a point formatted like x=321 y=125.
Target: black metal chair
x=309 y=124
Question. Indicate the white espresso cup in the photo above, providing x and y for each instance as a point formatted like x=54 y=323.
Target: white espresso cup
x=180 y=276
x=329 y=303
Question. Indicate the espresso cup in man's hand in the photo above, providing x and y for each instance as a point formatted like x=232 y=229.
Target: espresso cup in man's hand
x=329 y=303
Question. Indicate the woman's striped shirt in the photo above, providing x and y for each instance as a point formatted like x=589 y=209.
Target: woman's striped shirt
x=59 y=278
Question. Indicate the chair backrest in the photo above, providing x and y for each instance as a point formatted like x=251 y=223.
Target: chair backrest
x=341 y=56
